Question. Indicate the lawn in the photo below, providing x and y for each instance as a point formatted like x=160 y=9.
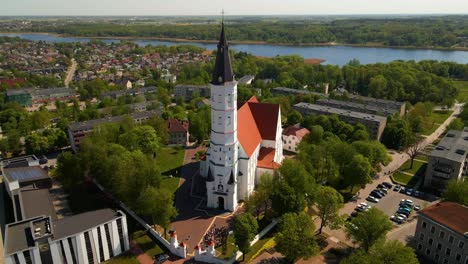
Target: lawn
x=266 y=242
x=170 y=183
x=230 y=249
x=169 y=159
x=422 y=157
x=437 y=117
x=463 y=87
x=123 y=259
x=146 y=243
x=401 y=178
x=416 y=166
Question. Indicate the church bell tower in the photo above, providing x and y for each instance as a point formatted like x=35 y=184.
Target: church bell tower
x=221 y=184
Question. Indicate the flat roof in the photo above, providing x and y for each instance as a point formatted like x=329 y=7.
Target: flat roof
x=362 y=107
x=51 y=91
x=23 y=174
x=130 y=91
x=90 y=124
x=11 y=92
x=37 y=202
x=296 y=91
x=372 y=100
x=340 y=112
x=18 y=236
x=449 y=214
x=454 y=146
x=188 y=86
x=81 y=222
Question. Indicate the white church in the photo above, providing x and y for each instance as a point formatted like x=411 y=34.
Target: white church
x=245 y=139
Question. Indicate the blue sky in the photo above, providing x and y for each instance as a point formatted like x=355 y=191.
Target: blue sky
x=232 y=7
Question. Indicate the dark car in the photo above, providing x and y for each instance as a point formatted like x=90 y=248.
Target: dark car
x=160 y=258
x=403 y=212
x=387 y=185
x=397 y=188
x=376 y=194
x=43 y=160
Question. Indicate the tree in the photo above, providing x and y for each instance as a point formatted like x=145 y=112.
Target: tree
x=294 y=118
x=357 y=171
x=368 y=227
x=36 y=144
x=263 y=190
x=142 y=138
x=284 y=199
x=245 y=229
x=328 y=202
x=157 y=204
x=413 y=150
x=457 y=124
x=69 y=169
x=296 y=176
x=296 y=237
x=456 y=191
x=383 y=252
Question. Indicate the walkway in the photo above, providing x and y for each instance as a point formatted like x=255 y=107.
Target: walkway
x=70 y=73
x=397 y=160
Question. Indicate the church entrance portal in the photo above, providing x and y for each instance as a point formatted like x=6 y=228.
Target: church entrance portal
x=220 y=203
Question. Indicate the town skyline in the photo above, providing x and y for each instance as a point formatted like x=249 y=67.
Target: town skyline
x=209 y=7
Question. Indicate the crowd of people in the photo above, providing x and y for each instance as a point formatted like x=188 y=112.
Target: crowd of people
x=217 y=234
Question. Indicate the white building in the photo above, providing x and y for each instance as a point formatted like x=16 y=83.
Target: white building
x=88 y=238
x=292 y=136
x=245 y=138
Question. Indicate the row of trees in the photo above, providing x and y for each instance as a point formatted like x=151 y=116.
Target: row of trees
x=420 y=32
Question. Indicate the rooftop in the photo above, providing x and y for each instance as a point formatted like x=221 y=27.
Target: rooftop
x=340 y=112
x=454 y=146
x=37 y=202
x=266 y=158
x=23 y=174
x=450 y=214
x=18 y=236
x=364 y=108
x=90 y=124
x=296 y=130
x=296 y=91
x=81 y=222
x=177 y=126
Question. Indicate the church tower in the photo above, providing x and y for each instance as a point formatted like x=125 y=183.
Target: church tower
x=221 y=184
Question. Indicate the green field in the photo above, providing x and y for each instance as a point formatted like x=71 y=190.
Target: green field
x=169 y=159
x=146 y=244
x=421 y=157
x=170 y=183
x=437 y=117
x=402 y=178
x=463 y=87
x=417 y=165
x=123 y=259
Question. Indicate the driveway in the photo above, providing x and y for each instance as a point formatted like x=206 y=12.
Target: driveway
x=397 y=160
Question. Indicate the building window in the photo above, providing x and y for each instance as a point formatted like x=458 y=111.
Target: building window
x=430 y=241
x=441 y=234
x=458 y=257
x=439 y=246
x=432 y=230
x=451 y=239
x=424 y=224
x=419 y=246
x=447 y=252
x=72 y=250
x=421 y=237
x=461 y=244
x=27 y=257
x=428 y=252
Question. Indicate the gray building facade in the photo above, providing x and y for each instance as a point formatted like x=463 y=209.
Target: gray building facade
x=187 y=91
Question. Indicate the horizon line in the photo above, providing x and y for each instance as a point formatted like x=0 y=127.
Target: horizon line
x=233 y=15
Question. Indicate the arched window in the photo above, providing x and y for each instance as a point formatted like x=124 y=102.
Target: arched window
x=220 y=187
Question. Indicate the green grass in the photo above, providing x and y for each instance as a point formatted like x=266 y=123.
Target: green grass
x=422 y=157
x=437 y=117
x=170 y=184
x=401 y=178
x=170 y=159
x=123 y=259
x=416 y=166
x=231 y=248
x=146 y=243
x=463 y=87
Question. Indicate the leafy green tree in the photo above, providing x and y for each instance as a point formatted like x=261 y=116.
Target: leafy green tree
x=158 y=204
x=397 y=133
x=383 y=252
x=368 y=227
x=294 y=118
x=328 y=202
x=261 y=198
x=456 y=191
x=36 y=144
x=457 y=124
x=69 y=169
x=284 y=199
x=142 y=138
x=357 y=171
x=295 y=175
x=245 y=229
x=160 y=127
x=295 y=238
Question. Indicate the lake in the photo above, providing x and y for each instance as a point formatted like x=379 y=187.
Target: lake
x=338 y=55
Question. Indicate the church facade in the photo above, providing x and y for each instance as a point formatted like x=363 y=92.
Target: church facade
x=245 y=139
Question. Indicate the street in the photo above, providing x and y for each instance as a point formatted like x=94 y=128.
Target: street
x=70 y=73
x=397 y=160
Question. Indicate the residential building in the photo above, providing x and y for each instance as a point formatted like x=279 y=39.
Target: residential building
x=187 y=92
x=289 y=91
x=39 y=235
x=447 y=160
x=30 y=96
x=383 y=103
x=442 y=233
x=131 y=92
x=245 y=139
x=375 y=124
x=380 y=110
x=246 y=79
x=21 y=96
x=78 y=130
x=292 y=136
x=178 y=132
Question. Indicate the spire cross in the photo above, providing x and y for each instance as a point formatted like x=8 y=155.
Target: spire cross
x=222 y=15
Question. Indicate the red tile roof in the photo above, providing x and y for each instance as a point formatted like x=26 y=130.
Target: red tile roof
x=247 y=131
x=296 y=130
x=450 y=214
x=266 y=159
x=177 y=126
x=256 y=121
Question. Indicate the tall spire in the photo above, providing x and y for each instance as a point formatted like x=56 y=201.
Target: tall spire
x=222 y=71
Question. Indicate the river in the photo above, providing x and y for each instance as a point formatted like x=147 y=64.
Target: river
x=338 y=55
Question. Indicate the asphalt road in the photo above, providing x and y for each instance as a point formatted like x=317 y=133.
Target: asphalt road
x=70 y=73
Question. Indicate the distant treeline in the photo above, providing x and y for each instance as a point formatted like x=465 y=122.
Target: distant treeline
x=437 y=31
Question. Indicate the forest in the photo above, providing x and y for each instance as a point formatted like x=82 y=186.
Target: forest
x=429 y=31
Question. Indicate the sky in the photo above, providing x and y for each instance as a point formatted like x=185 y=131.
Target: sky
x=231 y=7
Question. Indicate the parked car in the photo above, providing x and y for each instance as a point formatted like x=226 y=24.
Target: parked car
x=397 y=188
x=397 y=219
x=402 y=215
x=409 y=191
x=408 y=201
x=158 y=259
x=43 y=159
x=403 y=208
x=403 y=212
x=402 y=190
x=371 y=198
x=387 y=185
x=416 y=193
x=382 y=190
x=417 y=207
x=376 y=194
x=405 y=205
